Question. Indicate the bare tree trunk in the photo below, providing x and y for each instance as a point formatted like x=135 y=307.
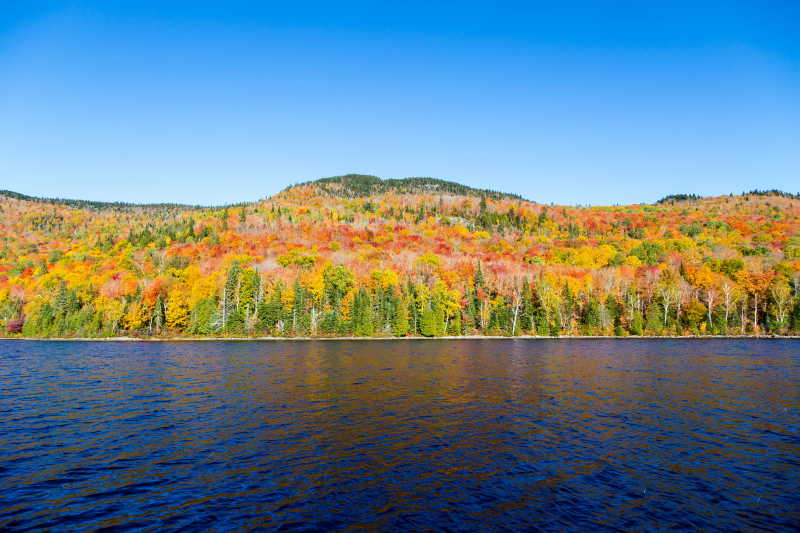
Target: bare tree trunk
x=727 y=292
x=755 y=312
x=742 y=313
x=224 y=309
x=313 y=319
x=781 y=296
x=711 y=296
x=516 y=303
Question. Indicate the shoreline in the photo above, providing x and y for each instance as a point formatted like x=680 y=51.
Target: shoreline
x=414 y=338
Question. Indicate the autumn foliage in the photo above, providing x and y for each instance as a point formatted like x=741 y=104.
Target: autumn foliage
x=351 y=256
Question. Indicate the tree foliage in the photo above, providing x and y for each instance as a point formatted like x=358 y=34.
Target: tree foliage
x=356 y=255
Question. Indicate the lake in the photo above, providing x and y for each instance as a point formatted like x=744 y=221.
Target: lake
x=400 y=435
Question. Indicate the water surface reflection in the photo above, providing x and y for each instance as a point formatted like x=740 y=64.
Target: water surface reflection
x=453 y=435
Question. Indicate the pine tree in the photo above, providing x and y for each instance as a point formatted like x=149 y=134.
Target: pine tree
x=455 y=327
x=591 y=316
x=470 y=313
x=362 y=314
x=413 y=312
x=526 y=312
x=438 y=320
x=270 y=313
x=202 y=317
x=478 y=281
x=300 y=318
x=158 y=315
x=637 y=323
x=654 y=323
x=230 y=295
x=400 y=324
x=428 y=323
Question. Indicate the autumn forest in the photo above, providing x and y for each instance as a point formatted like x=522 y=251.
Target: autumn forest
x=359 y=256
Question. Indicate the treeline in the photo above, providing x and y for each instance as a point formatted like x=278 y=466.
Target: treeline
x=362 y=185
x=330 y=302
x=673 y=198
x=100 y=206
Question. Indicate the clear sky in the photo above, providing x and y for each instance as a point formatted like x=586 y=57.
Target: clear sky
x=565 y=102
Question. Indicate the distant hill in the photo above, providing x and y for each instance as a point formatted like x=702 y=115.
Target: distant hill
x=361 y=185
x=675 y=198
x=93 y=205
x=357 y=186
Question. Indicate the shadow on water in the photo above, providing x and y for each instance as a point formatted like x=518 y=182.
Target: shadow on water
x=422 y=435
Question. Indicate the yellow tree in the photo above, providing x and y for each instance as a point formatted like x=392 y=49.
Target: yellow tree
x=756 y=285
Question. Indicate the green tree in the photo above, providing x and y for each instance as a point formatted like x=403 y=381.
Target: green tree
x=654 y=323
x=400 y=325
x=637 y=323
x=202 y=316
x=428 y=323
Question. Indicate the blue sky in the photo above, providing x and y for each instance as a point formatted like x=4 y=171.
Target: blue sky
x=565 y=102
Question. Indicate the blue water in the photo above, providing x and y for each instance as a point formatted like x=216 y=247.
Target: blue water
x=473 y=435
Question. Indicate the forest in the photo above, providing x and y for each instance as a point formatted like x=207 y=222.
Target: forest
x=359 y=256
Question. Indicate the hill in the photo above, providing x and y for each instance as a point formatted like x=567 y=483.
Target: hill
x=361 y=185
x=675 y=198
x=357 y=255
x=93 y=205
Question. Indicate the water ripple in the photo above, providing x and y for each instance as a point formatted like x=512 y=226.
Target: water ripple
x=502 y=435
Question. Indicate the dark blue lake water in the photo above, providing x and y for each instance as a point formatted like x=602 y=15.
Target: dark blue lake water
x=401 y=435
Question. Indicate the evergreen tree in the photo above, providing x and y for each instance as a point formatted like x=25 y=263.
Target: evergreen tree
x=270 y=313
x=455 y=326
x=362 y=314
x=158 y=315
x=230 y=319
x=637 y=323
x=301 y=320
x=400 y=326
x=413 y=311
x=526 y=313
x=590 y=321
x=470 y=313
x=478 y=281
x=202 y=317
x=795 y=318
x=439 y=327
x=427 y=325
x=654 y=323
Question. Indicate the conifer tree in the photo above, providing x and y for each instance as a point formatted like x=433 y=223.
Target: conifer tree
x=427 y=325
x=400 y=325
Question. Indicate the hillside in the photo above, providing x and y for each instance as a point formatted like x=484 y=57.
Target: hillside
x=360 y=186
x=357 y=255
x=93 y=205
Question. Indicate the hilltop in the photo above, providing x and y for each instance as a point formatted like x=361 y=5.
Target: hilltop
x=352 y=186
x=361 y=185
x=358 y=255
x=675 y=198
x=94 y=205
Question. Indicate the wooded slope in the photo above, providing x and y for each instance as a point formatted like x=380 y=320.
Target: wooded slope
x=359 y=255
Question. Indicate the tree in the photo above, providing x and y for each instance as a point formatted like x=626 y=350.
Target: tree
x=202 y=317
x=781 y=298
x=694 y=312
x=730 y=296
x=428 y=323
x=400 y=325
x=755 y=284
x=362 y=315
x=637 y=323
x=653 y=322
